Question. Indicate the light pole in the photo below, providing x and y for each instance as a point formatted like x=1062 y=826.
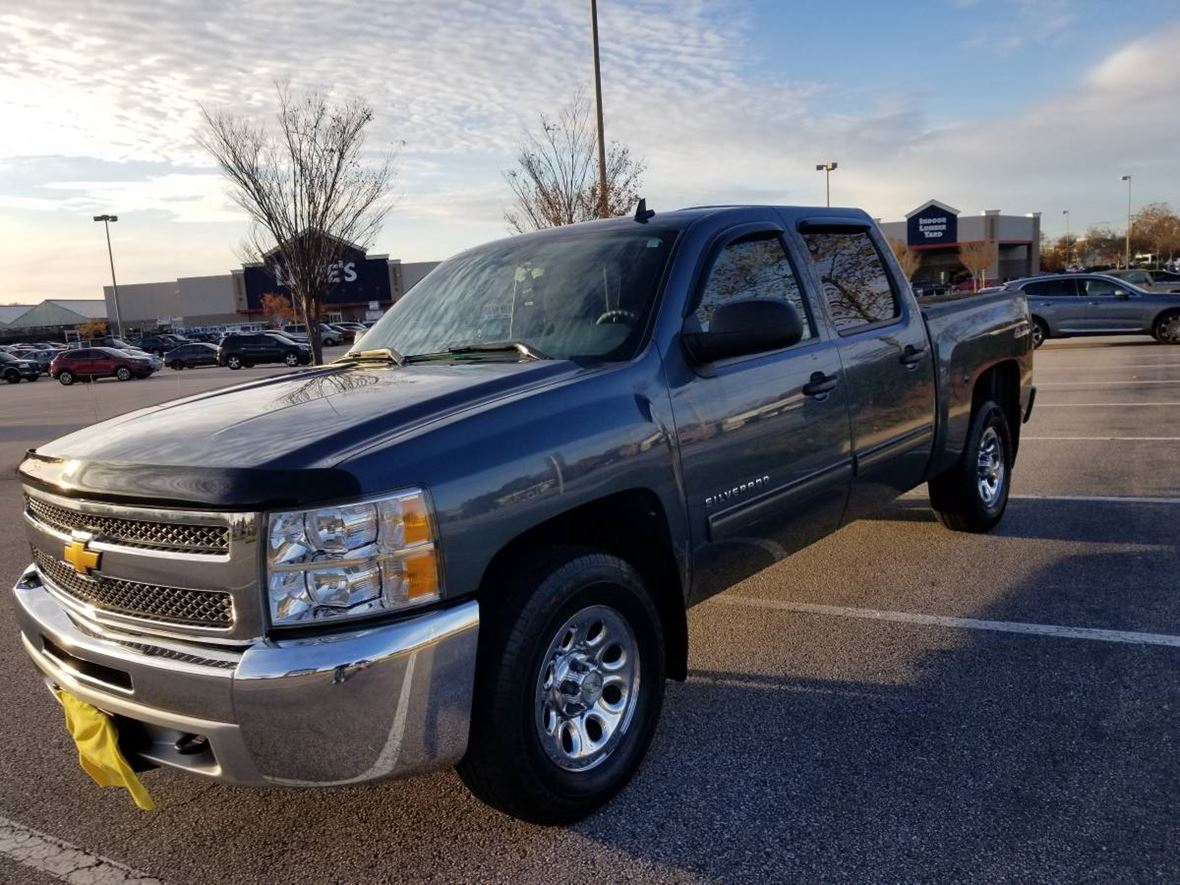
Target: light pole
x=1068 y=244
x=603 y=203
x=1127 y=179
x=106 y=223
x=827 y=169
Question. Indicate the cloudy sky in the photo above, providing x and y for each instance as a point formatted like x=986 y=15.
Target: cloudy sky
x=1020 y=105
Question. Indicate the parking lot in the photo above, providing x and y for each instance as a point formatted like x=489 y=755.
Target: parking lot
x=895 y=703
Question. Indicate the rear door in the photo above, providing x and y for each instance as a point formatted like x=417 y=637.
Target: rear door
x=1113 y=307
x=764 y=439
x=1058 y=302
x=888 y=368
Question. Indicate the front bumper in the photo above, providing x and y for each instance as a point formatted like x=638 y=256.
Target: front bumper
x=346 y=708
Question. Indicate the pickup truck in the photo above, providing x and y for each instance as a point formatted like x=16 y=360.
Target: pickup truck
x=473 y=540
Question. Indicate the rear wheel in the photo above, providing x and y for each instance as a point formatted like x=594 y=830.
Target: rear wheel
x=65 y=377
x=1039 y=331
x=234 y=362
x=291 y=359
x=123 y=373
x=972 y=495
x=1167 y=329
x=12 y=376
x=569 y=686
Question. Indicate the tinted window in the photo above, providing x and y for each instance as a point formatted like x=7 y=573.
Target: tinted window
x=751 y=269
x=1101 y=287
x=1061 y=288
x=856 y=284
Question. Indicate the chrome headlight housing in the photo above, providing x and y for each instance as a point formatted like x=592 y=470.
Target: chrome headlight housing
x=351 y=560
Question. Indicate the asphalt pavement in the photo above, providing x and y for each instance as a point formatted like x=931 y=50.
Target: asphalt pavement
x=895 y=703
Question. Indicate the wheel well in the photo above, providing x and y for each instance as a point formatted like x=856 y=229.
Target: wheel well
x=1001 y=383
x=1041 y=320
x=631 y=525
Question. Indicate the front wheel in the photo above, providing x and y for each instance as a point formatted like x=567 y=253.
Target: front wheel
x=123 y=373
x=66 y=378
x=177 y=365
x=569 y=686
x=972 y=495
x=291 y=359
x=234 y=362
x=12 y=377
x=1039 y=332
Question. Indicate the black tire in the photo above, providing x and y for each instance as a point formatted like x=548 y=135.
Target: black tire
x=234 y=361
x=959 y=497
x=1166 y=329
x=123 y=373
x=12 y=376
x=176 y=365
x=65 y=377
x=1040 y=332
x=506 y=765
x=291 y=359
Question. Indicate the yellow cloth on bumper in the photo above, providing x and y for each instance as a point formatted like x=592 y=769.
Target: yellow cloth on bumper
x=98 y=748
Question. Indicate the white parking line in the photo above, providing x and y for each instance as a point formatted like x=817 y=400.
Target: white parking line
x=1051 y=630
x=1098 y=499
x=1103 y=383
x=1041 y=405
x=1106 y=438
x=63 y=860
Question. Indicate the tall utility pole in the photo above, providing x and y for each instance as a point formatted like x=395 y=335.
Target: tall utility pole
x=1068 y=244
x=1127 y=179
x=603 y=203
x=827 y=169
x=106 y=223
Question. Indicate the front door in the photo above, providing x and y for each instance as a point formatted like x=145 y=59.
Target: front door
x=1111 y=307
x=764 y=439
x=887 y=363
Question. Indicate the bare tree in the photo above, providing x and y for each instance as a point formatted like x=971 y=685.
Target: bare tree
x=555 y=181
x=977 y=258
x=909 y=259
x=1101 y=245
x=1156 y=229
x=308 y=186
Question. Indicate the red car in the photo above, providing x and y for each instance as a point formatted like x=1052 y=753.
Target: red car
x=89 y=363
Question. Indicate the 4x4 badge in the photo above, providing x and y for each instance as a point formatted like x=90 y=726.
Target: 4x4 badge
x=81 y=557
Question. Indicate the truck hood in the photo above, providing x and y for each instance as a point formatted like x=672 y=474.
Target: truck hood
x=307 y=419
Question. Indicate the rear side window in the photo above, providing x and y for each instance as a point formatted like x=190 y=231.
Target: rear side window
x=855 y=282
x=752 y=269
x=1052 y=289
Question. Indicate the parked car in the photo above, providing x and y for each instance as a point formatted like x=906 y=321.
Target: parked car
x=1076 y=304
x=43 y=358
x=249 y=350
x=92 y=363
x=14 y=368
x=1149 y=280
x=346 y=335
x=482 y=551
x=156 y=362
x=161 y=344
x=329 y=337
x=189 y=356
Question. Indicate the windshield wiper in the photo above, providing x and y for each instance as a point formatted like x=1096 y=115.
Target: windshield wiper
x=377 y=354
x=523 y=350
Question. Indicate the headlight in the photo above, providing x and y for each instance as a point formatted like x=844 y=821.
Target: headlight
x=351 y=560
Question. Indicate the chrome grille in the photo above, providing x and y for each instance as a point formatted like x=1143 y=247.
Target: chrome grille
x=174 y=536
x=172 y=605
x=156 y=651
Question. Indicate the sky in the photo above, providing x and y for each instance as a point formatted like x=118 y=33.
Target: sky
x=1018 y=105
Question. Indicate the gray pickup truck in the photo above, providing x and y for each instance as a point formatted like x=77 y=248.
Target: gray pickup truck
x=475 y=540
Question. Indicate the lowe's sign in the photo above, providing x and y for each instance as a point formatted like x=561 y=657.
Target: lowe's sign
x=354 y=280
x=933 y=225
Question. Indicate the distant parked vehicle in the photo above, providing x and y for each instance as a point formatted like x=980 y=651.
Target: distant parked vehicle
x=346 y=334
x=329 y=337
x=43 y=358
x=239 y=351
x=1076 y=304
x=153 y=360
x=189 y=356
x=161 y=344
x=91 y=363
x=14 y=368
x=1149 y=280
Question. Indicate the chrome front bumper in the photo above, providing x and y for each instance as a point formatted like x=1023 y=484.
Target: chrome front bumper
x=340 y=709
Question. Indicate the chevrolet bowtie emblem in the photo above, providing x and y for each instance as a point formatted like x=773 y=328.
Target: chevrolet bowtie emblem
x=81 y=557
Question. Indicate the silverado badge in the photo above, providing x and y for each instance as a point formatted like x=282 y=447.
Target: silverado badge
x=81 y=557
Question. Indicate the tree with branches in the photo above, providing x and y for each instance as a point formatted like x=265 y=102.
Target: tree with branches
x=277 y=308
x=555 y=180
x=977 y=258
x=309 y=187
x=908 y=259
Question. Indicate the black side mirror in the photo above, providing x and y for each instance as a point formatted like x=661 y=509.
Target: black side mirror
x=745 y=327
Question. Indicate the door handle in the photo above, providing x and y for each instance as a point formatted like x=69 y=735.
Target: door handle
x=911 y=356
x=820 y=385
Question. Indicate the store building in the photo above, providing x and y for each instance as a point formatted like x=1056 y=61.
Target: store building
x=363 y=287
x=50 y=319
x=935 y=231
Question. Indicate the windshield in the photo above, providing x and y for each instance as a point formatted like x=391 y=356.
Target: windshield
x=568 y=297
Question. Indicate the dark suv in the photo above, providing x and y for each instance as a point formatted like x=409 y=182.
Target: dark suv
x=14 y=368
x=90 y=363
x=161 y=344
x=261 y=347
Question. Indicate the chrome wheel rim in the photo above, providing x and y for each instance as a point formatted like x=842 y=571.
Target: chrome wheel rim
x=991 y=468
x=292 y=359
x=1170 y=330
x=1038 y=335
x=587 y=688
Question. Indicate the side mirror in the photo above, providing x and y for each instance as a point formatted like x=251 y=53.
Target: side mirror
x=745 y=327
x=1122 y=294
